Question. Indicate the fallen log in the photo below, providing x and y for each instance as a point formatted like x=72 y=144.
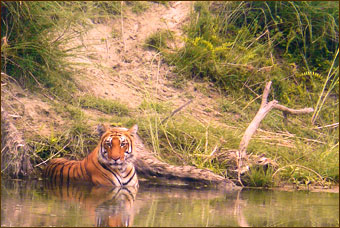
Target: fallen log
x=148 y=166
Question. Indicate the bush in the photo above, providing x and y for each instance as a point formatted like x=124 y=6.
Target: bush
x=241 y=45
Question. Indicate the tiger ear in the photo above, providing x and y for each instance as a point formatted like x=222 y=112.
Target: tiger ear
x=101 y=128
x=133 y=130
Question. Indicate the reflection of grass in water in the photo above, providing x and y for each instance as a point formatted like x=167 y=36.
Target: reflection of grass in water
x=150 y=219
x=166 y=211
x=259 y=208
x=279 y=208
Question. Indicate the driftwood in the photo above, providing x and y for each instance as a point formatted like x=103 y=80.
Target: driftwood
x=15 y=153
x=263 y=111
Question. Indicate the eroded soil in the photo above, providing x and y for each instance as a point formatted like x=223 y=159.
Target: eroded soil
x=117 y=66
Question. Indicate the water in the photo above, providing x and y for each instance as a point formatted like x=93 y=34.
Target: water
x=37 y=204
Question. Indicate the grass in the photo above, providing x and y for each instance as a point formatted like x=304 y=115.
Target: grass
x=236 y=45
x=138 y=7
x=158 y=107
x=104 y=105
x=159 y=39
x=241 y=45
x=186 y=141
x=259 y=177
x=34 y=40
x=74 y=143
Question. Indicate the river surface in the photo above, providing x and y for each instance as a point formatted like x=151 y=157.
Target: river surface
x=36 y=203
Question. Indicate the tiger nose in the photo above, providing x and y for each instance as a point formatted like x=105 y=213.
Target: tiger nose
x=116 y=158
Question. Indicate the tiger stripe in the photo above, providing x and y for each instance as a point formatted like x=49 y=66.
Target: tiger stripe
x=109 y=164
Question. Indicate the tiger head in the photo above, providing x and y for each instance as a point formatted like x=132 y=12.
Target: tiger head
x=116 y=146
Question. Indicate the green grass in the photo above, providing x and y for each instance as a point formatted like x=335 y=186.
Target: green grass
x=138 y=7
x=183 y=140
x=239 y=46
x=36 y=35
x=104 y=105
x=158 y=40
x=75 y=143
x=259 y=177
x=159 y=107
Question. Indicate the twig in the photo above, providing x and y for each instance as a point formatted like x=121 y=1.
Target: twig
x=264 y=109
x=330 y=125
x=177 y=110
x=62 y=34
x=309 y=169
x=206 y=140
x=211 y=155
x=258 y=96
x=293 y=111
x=52 y=155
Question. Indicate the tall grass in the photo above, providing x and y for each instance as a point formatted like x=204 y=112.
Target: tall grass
x=240 y=45
x=104 y=105
x=35 y=38
x=303 y=155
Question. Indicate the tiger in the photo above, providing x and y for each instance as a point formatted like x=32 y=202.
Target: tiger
x=109 y=164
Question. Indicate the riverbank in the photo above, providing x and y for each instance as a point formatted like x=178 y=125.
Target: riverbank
x=123 y=73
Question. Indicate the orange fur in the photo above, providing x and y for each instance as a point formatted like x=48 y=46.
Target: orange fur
x=109 y=164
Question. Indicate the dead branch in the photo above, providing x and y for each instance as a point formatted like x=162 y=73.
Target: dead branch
x=254 y=124
x=293 y=111
x=329 y=125
x=263 y=111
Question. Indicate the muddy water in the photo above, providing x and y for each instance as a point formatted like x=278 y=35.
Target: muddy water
x=38 y=204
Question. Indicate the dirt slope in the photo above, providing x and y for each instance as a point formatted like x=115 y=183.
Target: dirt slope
x=121 y=68
x=117 y=66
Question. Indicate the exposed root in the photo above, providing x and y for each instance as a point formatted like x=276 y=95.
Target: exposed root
x=15 y=153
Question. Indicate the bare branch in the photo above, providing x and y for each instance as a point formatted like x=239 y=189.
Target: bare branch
x=265 y=94
x=293 y=111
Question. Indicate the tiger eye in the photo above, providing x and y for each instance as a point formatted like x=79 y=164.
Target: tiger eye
x=108 y=143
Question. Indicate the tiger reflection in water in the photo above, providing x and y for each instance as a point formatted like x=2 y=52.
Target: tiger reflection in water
x=108 y=206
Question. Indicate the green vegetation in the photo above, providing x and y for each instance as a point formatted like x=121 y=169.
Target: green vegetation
x=159 y=107
x=34 y=41
x=104 y=105
x=158 y=40
x=138 y=7
x=238 y=46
